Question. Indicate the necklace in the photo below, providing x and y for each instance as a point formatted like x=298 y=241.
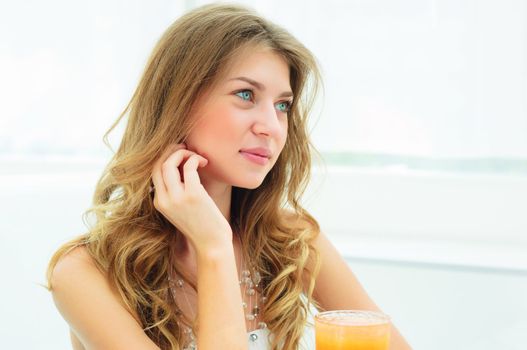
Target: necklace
x=249 y=283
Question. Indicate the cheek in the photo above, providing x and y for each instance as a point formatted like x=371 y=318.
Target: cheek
x=220 y=126
x=224 y=124
x=283 y=135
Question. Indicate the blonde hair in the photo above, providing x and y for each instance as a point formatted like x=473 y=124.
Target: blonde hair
x=130 y=240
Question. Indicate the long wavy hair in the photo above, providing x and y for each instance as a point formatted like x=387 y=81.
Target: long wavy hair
x=130 y=241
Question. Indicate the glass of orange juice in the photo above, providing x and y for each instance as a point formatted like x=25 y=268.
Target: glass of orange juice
x=352 y=330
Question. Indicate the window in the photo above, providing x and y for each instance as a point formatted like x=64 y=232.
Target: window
x=435 y=85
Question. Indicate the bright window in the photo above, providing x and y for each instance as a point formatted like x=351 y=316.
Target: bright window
x=422 y=84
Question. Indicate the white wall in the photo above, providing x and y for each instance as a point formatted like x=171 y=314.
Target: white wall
x=448 y=218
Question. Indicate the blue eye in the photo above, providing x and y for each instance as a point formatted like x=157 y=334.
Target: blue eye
x=245 y=94
x=284 y=106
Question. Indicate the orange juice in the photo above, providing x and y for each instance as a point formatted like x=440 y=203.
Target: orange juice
x=352 y=330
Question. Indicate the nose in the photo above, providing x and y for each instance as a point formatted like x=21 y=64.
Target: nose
x=266 y=120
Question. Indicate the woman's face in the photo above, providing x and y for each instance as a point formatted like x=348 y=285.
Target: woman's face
x=242 y=115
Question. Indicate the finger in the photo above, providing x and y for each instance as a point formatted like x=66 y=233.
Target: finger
x=169 y=151
x=157 y=177
x=190 y=170
x=170 y=171
x=158 y=182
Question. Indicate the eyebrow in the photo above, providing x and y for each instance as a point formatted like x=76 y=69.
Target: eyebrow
x=260 y=86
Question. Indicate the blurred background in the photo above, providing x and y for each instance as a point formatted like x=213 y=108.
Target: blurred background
x=422 y=128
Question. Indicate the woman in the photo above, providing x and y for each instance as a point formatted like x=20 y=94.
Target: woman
x=198 y=214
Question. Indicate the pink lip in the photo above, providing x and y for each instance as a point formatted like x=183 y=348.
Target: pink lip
x=255 y=158
x=259 y=151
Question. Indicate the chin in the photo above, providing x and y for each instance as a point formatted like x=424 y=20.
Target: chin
x=250 y=181
x=250 y=185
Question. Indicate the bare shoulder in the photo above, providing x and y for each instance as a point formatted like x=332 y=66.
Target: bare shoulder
x=76 y=269
x=335 y=270
x=332 y=270
x=96 y=315
x=76 y=258
x=298 y=221
x=75 y=262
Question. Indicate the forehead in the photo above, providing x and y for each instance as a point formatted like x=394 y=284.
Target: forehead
x=260 y=64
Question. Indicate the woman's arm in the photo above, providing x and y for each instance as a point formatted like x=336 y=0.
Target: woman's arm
x=183 y=200
x=99 y=320
x=92 y=309
x=337 y=288
x=220 y=312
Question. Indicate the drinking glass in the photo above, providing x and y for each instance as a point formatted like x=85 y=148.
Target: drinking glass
x=352 y=330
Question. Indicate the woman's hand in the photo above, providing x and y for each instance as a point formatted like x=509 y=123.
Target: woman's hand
x=185 y=202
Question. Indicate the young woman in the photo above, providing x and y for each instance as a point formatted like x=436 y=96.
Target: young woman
x=199 y=237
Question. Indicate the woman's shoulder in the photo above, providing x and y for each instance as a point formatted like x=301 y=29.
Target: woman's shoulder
x=72 y=263
x=79 y=254
x=89 y=303
x=77 y=272
x=77 y=260
x=299 y=220
x=304 y=224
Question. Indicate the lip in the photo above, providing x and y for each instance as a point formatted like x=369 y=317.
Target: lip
x=259 y=151
x=255 y=158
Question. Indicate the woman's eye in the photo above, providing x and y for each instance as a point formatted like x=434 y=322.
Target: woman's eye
x=284 y=106
x=245 y=94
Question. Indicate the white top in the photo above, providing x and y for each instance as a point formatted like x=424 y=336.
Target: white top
x=259 y=339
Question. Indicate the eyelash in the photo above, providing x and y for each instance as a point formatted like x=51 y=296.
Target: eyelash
x=287 y=102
